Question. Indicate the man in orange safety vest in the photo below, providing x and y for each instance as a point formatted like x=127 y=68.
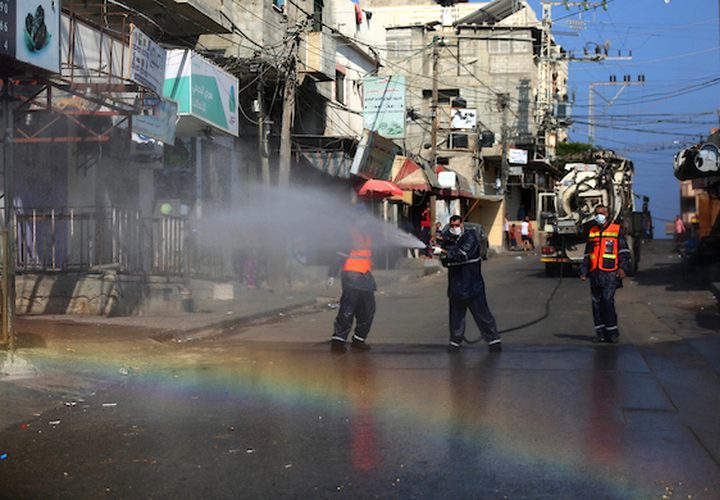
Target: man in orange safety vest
x=357 y=301
x=607 y=259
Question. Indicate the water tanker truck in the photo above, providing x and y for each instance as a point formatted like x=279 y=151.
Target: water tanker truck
x=605 y=180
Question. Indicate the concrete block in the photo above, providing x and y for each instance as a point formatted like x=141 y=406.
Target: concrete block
x=223 y=291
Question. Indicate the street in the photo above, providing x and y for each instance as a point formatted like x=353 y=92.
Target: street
x=266 y=410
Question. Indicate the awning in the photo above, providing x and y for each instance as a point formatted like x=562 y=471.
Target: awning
x=334 y=163
x=409 y=176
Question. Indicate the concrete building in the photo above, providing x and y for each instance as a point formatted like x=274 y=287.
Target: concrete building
x=488 y=75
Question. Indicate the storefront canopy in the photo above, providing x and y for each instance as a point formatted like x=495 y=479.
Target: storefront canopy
x=410 y=176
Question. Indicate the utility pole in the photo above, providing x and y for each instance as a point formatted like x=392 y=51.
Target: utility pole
x=288 y=116
x=434 y=103
x=8 y=275
x=263 y=125
x=591 y=101
x=550 y=56
x=502 y=100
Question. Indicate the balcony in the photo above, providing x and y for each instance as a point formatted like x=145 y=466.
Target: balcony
x=186 y=18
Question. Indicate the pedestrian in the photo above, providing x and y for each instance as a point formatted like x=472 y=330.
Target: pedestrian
x=357 y=301
x=607 y=259
x=466 y=289
x=525 y=234
x=425 y=225
x=513 y=237
x=679 y=231
x=506 y=230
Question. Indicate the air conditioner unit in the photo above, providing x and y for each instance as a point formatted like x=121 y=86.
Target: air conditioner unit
x=458 y=141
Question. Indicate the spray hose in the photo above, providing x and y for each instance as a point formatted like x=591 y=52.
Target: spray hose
x=535 y=321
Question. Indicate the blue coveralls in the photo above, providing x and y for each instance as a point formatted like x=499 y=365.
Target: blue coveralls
x=466 y=289
x=602 y=288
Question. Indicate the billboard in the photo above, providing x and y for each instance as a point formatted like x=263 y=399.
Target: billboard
x=147 y=61
x=202 y=90
x=384 y=105
x=30 y=32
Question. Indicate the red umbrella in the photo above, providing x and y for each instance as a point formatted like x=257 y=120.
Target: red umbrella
x=380 y=189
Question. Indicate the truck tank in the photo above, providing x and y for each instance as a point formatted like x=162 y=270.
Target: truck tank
x=605 y=181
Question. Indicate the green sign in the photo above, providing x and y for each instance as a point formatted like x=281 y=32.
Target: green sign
x=384 y=105
x=202 y=90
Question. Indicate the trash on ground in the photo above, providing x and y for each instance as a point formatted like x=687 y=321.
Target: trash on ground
x=123 y=371
x=249 y=451
x=71 y=404
x=519 y=257
x=333 y=305
x=54 y=422
x=288 y=466
x=109 y=405
x=3 y=456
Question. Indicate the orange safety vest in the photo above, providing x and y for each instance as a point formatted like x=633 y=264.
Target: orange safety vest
x=360 y=258
x=604 y=254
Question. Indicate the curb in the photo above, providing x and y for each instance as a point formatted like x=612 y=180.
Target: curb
x=212 y=329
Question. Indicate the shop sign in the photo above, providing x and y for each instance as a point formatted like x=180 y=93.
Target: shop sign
x=159 y=120
x=202 y=90
x=518 y=156
x=30 y=32
x=374 y=157
x=147 y=61
x=384 y=105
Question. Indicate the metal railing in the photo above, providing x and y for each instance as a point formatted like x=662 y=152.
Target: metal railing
x=93 y=238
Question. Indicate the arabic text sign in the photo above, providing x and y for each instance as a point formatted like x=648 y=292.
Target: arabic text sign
x=159 y=124
x=147 y=61
x=384 y=105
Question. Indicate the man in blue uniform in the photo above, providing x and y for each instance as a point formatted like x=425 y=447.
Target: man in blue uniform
x=466 y=288
x=607 y=259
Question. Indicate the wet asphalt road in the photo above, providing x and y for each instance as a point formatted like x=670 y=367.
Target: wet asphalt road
x=267 y=411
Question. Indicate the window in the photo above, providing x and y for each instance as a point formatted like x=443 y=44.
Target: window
x=317 y=22
x=340 y=87
x=510 y=42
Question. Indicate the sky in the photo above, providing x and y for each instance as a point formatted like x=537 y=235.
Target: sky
x=675 y=44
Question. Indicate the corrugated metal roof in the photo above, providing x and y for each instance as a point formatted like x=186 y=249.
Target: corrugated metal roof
x=493 y=12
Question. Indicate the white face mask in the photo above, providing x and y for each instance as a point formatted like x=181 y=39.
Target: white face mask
x=600 y=219
x=457 y=231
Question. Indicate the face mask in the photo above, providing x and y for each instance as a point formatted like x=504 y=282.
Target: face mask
x=600 y=219
x=456 y=231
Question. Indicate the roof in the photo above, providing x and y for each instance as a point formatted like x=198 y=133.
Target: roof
x=493 y=12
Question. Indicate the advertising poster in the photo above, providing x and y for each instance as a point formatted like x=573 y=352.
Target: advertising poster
x=37 y=33
x=384 y=105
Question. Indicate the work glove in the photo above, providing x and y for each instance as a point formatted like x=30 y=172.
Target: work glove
x=330 y=282
x=437 y=250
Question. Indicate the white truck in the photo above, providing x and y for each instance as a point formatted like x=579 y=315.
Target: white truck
x=607 y=180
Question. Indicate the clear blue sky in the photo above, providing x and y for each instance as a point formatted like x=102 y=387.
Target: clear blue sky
x=675 y=44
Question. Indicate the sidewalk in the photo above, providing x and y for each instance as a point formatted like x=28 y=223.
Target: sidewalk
x=211 y=316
